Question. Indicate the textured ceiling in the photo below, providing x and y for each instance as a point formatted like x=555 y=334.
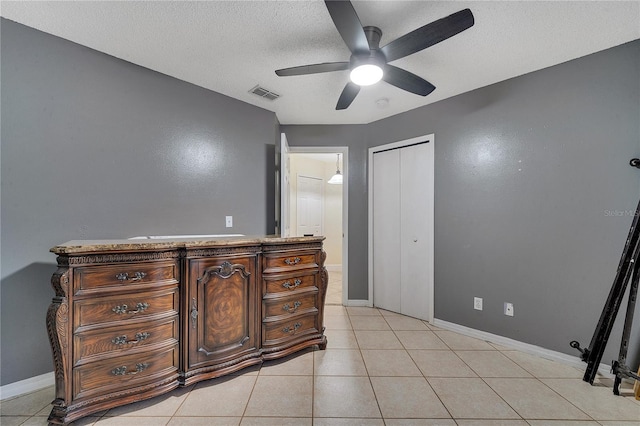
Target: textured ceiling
x=231 y=46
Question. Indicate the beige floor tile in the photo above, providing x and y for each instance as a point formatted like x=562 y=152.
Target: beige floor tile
x=204 y=421
x=491 y=364
x=500 y=347
x=597 y=401
x=344 y=397
x=619 y=423
x=385 y=362
x=276 y=421
x=337 y=322
x=29 y=404
x=407 y=397
x=541 y=367
x=369 y=322
x=133 y=421
x=335 y=310
x=420 y=340
x=471 y=399
x=339 y=362
x=532 y=399
x=283 y=396
x=419 y=422
x=12 y=420
x=401 y=322
x=362 y=310
x=341 y=339
x=368 y=339
x=563 y=423
x=161 y=406
x=319 y=421
x=493 y=422
x=298 y=364
x=42 y=421
x=225 y=397
x=387 y=314
x=459 y=342
x=440 y=364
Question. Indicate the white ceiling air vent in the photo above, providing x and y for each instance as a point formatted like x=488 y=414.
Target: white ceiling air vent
x=264 y=93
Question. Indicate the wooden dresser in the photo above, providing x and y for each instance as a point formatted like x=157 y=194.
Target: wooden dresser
x=133 y=319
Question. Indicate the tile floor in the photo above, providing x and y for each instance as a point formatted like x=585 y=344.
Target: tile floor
x=379 y=368
x=334 y=289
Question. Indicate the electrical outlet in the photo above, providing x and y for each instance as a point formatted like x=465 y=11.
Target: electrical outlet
x=477 y=303
x=508 y=309
x=229 y=221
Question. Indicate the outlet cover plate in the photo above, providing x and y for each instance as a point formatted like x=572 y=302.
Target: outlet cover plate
x=508 y=309
x=477 y=303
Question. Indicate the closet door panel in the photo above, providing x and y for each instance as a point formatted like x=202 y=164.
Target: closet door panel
x=386 y=230
x=415 y=241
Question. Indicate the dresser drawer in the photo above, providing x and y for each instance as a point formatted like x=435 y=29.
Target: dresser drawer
x=116 y=341
x=281 y=262
x=279 y=332
x=288 y=285
x=126 y=307
x=284 y=307
x=124 y=372
x=115 y=277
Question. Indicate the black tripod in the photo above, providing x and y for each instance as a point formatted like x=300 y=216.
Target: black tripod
x=628 y=269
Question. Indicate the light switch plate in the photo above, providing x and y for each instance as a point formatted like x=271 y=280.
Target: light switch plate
x=229 y=221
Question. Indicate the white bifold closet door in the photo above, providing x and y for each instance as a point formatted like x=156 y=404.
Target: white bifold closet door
x=402 y=237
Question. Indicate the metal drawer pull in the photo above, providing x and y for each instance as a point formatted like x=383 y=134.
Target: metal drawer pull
x=121 y=340
x=288 y=308
x=122 y=309
x=137 y=276
x=287 y=284
x=293 y=261
x=293 y=329
x=122 y=371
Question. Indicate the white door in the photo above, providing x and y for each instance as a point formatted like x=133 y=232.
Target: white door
x=309 y=206
x=415 y=241
x=285 y=184
x=386 y=229
x=402 y=229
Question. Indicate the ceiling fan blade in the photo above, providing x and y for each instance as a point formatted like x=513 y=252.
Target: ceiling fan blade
x=348 y=24
x=428 y=35
x=348 y=95
x=407 y=81
x=313 y=69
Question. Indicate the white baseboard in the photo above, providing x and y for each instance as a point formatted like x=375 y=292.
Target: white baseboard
x=29 y=385
x=574 y=361
x=334 y=267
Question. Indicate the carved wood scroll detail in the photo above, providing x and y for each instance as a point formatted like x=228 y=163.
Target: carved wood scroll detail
x=58 y=331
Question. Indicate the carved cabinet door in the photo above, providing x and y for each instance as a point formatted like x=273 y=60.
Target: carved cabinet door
x=222 y=310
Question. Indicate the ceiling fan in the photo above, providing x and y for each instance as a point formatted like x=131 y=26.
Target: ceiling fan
x=369 y=63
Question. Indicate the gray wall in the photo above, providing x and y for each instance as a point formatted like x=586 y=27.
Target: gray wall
x=533 y=194
x=95 y=147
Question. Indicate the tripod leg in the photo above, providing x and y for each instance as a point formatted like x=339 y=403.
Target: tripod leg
x=599 y=340
x=619 y=367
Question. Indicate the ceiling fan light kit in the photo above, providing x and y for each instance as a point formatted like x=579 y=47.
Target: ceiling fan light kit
x=369 y=63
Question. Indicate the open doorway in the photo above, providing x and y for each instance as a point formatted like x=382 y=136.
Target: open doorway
x=318 y=207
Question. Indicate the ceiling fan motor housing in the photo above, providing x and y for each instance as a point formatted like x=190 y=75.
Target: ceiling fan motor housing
x=374 y=56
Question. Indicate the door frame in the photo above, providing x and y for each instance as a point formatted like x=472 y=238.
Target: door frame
x=344 y=150
x=430 y=262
